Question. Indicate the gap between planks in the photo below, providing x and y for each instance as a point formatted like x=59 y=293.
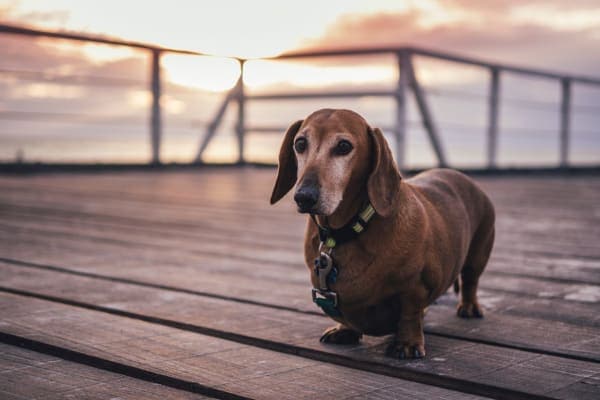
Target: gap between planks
x=543 y=350
x=413 y=375
x=117 y=367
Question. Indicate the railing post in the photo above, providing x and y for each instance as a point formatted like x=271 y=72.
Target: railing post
x=241 y=123
x=492 y=139
x=565 y=121
x=216 y=121
x=155 y=119
x=426 y=116
x=401 y=106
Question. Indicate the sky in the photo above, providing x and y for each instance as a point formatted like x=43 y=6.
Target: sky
x=509 y=30
x=556 y=35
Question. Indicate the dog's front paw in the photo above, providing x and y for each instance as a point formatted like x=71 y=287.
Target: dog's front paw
x=405 y=350
x=469 y=310
x=340 y=334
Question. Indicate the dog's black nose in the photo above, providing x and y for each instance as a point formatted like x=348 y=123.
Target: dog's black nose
x=306 y=197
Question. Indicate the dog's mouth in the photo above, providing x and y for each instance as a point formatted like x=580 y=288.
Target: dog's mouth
x=308 y=210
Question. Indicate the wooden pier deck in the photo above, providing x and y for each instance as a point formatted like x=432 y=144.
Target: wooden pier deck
x=188 y=284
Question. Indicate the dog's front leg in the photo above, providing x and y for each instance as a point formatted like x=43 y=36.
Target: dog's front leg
x=409 y=341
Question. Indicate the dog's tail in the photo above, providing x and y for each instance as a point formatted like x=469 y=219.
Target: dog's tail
x=456 y=286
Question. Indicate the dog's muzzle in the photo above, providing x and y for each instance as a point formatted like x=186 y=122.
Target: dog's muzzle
x=306 y=198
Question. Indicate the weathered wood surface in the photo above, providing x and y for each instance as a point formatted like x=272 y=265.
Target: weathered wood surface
x=186 y=357
x=26 y=374
x=203 y=253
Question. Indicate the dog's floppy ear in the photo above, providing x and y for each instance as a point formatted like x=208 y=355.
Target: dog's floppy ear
x=286 y=172
x=384 y=182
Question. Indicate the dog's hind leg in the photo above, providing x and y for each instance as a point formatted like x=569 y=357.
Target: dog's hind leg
x=340 y=334
x=477 y=258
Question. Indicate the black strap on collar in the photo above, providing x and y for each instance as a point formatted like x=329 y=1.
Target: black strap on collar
x=334 y=237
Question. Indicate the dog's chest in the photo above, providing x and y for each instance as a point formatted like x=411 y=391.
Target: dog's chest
x=351 y=272
x=367 y=301
x=358 y=280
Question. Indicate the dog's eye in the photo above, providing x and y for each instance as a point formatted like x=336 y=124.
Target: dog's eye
x=300 y=145
x=343 y=147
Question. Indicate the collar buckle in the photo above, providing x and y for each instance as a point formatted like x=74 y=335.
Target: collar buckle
x=324 y=297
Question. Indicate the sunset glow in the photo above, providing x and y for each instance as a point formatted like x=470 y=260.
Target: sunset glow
x=206 y=73
x=266 y=28
x=68 y=82
x=269 y=73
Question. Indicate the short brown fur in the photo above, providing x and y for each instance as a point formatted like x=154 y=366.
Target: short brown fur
x=429 y=231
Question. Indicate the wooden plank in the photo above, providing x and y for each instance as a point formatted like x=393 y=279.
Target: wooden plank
x=557 y=192
x=270 y=268
x=185 y=229
x=248 y=240
x=229 y=257
x=586 y=389
x=192 y=274
x=526 y=264
x=190 y=357
x=299 y=230
x=519 y=183
x=272 y=213
x=25 y=374
x=267 y=272
x=519 y=219
x=520 y=332
x=559 y=188
x=538 y=236
x=501 y=261
x=459 y=359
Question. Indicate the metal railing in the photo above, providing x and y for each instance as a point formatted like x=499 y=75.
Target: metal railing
x=407 y=81
x=154 y=52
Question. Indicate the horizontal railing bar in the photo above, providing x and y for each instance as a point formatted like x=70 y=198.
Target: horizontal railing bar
x=456 y=125
x=13 y=29
x=504 y=67
x=91 y=119
x=76 y=80
x=337 y=52
x=529 y=104
x=315 y=95
x=282 y=129
x=18 y=30
x=87 y=119
x=266 y=129
x=438 y=55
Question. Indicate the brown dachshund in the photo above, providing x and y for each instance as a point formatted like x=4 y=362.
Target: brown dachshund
x=381 y=248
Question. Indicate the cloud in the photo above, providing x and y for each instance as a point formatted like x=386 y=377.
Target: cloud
x=10 y=13
x=60 y=17
x=486 y=30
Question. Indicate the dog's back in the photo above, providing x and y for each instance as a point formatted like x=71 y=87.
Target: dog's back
x=446 y=188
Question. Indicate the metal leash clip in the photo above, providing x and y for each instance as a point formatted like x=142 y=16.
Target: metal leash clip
x=318 y=296
x=323 y=266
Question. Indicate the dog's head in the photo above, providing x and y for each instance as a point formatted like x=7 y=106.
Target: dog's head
x=333 y=155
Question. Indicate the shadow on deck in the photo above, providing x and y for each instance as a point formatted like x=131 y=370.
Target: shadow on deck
x=110 y=282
